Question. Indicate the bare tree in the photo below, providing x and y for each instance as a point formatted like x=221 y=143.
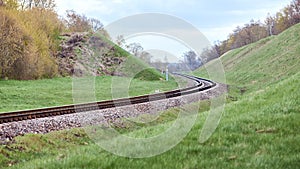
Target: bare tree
x=77 y=23
x=135 y=48
x=192 y=60
x=96 y=24
x=120 y=40
x=158 y=64
x=43 y=4
x=209 y=54
x=146 y=57
x=80 y=23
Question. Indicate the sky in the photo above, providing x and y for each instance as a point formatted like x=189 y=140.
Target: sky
x=216 y=19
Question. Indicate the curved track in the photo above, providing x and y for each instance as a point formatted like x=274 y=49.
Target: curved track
x=201 y=85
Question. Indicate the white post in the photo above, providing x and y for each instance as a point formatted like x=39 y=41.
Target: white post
x=167 y=74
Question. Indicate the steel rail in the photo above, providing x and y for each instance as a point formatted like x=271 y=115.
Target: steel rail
x=202 y=85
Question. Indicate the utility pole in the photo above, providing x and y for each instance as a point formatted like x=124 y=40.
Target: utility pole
x=167 y=69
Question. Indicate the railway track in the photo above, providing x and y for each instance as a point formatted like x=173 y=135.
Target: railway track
x=201 y=85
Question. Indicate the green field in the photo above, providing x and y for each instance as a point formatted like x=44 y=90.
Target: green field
x=20 y=95
x=259 y=129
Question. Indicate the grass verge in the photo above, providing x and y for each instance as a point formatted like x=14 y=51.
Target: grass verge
x=20 y=95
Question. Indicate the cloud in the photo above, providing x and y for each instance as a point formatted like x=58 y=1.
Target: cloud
x=218 y=18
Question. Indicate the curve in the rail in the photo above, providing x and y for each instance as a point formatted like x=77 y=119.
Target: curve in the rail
x=202 y=84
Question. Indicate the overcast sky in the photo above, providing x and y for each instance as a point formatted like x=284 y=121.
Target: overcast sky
x=215 y=18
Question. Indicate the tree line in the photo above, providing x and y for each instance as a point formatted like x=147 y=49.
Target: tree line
x=30 y=37
x=255 y=31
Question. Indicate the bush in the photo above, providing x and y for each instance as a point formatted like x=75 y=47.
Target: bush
x=13 y=41
x=28 y=42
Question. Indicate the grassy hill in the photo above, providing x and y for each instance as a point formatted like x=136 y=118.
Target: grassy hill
x=263 y=63
x=260 y=129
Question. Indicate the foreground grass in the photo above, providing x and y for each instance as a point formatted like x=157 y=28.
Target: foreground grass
x=20 y=95
x=263 y=134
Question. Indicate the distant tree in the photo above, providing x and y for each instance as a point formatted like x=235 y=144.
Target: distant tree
x=146 y=57
x=282 y=21
x=291 y=13
x=209 y=54
x=241 y=36
x=77 y=23
x=192 y=60
x=120 y=40
x=249 y=33
x=287 y=17
x=135 y=48
x=96 y=24
x=158 y=64
x=80 y=23
x=43 y=4
x=295 y=11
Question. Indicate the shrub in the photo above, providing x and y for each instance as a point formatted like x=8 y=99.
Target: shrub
x=28 y=41
x=12 y=41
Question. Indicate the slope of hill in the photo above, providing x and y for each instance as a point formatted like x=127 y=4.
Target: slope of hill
x=263 y=63
x=94 y=54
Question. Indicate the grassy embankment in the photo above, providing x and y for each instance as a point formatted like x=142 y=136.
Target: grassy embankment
x=260 y=129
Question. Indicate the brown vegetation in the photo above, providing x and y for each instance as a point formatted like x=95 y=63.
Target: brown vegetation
x=28 y=41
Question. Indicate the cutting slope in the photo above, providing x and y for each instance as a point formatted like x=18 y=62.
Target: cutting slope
x=94 y=54
x=262 y=63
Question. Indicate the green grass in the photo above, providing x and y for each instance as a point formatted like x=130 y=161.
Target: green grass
x=258 y=65
x=20 y=95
